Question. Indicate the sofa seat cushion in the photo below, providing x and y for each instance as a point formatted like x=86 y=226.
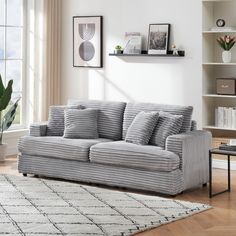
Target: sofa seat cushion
x=132 y=155
x=58 y=147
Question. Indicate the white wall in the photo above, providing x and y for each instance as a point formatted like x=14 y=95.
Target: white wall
x=161 y=80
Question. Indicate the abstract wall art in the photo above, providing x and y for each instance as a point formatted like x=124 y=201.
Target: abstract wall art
x=87 y=41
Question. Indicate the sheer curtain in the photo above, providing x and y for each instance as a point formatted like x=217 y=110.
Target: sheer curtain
x=43 y=59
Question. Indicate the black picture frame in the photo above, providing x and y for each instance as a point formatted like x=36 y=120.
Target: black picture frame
x=88 y=41
x=158 y=38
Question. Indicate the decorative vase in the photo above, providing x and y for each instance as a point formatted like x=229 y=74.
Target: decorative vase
x=118 y=51
x=226 y=56
x=3 y=149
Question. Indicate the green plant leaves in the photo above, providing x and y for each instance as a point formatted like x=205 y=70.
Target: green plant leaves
x=221 y=44
x=231 y=44
x=6 y=96
x=2 y=88
x=226 y=42
x=9 y=117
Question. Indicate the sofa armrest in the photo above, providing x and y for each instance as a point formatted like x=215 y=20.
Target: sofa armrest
x=193 y=149
x=38 y=129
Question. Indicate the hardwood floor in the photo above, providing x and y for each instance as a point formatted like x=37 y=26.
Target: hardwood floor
x=219 y=221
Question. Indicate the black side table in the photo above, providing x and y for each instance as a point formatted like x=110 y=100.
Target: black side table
x=220 y=152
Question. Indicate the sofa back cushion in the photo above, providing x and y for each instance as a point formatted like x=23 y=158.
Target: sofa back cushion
x=132 y=109
x=110 y=116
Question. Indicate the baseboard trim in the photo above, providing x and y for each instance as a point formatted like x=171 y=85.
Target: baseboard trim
x=11 y=139
x=11 y=151
x=222 y=164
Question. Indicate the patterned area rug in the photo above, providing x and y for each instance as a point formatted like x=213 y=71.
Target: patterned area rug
x=39 y=207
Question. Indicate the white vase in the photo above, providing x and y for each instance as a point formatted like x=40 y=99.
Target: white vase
x=226 y=56
x=3 y=149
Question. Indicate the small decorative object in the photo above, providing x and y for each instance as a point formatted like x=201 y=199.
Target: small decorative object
x=226 y=43
x=118 y=49
x=87 y=41
x=226 y=56
x=158 y=38
x=220 y=23
x=7 y=118
x=133 y=43
x=175 y=50
x=226 y=86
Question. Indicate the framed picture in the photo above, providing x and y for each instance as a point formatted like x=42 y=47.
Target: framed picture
x=133 y=43
x=87 y=41
x=158 y=38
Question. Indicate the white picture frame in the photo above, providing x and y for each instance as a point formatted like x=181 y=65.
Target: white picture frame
x=87 y=41
x=133 y=43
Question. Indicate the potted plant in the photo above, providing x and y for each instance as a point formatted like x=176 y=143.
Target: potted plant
x=6 y=118
x=226 y=43
x=118 y=49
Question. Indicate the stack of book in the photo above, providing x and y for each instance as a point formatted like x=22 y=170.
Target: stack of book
x=225 y=117
x=231 y=146
x=226 y=147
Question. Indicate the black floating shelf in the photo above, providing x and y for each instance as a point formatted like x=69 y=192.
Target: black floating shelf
x=144 y=54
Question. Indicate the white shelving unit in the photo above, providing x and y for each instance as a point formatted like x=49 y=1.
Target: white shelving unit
x=212 y=65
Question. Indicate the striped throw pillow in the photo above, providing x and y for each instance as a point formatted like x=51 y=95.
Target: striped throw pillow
x=140 y=130
x=167 y=125
x=55 y=126
x=81 y=123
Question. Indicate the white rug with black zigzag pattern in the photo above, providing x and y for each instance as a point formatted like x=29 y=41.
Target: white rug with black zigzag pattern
x=39 y=207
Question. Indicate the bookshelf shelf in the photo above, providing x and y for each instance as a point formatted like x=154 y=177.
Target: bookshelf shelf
x=218 y=64
x=212 y=127
x=218 y=32
x=216 y=0
x=218 y=96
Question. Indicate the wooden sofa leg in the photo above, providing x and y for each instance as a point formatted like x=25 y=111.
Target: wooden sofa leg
x=24 y=174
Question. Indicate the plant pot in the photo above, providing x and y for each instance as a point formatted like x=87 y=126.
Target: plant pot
x=3 y=149
x=118 y=51
x=226 y=56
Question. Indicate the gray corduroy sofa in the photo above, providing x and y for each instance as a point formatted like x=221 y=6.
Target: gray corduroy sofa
x=109 y=160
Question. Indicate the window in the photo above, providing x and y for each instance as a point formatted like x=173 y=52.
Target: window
x=11 y=48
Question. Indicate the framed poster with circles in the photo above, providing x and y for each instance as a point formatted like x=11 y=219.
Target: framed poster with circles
x=87 y=41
